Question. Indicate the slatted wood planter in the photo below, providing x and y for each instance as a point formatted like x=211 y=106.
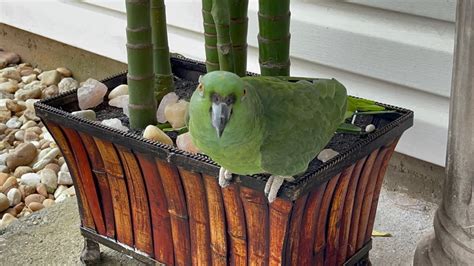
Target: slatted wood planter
x=160 y=204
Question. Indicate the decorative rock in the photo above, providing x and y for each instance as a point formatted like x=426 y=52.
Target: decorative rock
x=34 y=85
x=30 y=136
x=119 y=101
x=91 y=94
x=86 y=114
x=5 y=115
x=26 y=191
x=25 y=212
x=49 y=178
x=10 y=73
x=14 y=106
x=184 y=142
x=9 y=184
x=42 y=190
x=30 y=179
x=156 y=134
x=61 y=161
x=28 y=94
x=64 y=178
x=369 y=128
x=21 y=170
x=11 y=211
x=19 y=207
x=4 y=203
x=176 y=113
x=7 y=219
x=9 y=86
x=14 y=122
x=3 y=127
x=118 y=91
x=114 y=123
x=23 y=155
x=54 y=167
x=34 y=198
x=49 y=78
x=327 y=154
x=20 y=135
x=46 y=159
x=71 y=191
x=28 y=79
x=168 y=99
x=3 y=178
x=48 y=203
x=28 y=124
x=64 y=168
x=3 y=104
x=4 y=169
x=30 y=104
x=59 y=191
x=14 y=196
x=35 y=206
x=61 y=198
x=64 y=71
x=68 y=84
x=50 y=91
x=27 y=71
x=47 y=136
x=3 y=159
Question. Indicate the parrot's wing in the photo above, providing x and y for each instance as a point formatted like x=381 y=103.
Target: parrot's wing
x=300 y=119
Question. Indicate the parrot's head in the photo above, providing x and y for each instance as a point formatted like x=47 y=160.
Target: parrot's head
x=221 y=93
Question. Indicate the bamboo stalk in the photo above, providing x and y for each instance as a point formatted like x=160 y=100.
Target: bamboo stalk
x=274 y=37
x=161 y=54
x=210 y=37
x=142 y=103
x=221 y=16
x=238 y=34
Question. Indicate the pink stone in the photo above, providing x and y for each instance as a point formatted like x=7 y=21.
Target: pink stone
x=169 y=98
x=91 y=94
x=184 y=142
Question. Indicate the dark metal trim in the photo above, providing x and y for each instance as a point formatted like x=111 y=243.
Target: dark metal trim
x=360 y=255
x=49 y=109
x=113 y=244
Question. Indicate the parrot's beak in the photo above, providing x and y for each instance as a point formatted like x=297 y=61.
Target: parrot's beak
x=220 y=116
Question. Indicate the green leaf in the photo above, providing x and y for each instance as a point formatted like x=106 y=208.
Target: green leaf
x=349 y=128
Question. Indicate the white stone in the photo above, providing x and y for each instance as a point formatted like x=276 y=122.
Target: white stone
x=48 y=136
x=64 y=178
x=30 y=179
x=154 y=133
x=119 y=101
x=14 y=122
x=184 y=142
x=61 y=197
x=175 y=113
x=114 y=123
x=3 y=104
x=28 y=124
x=64 y=168
x=369 y=128
x=14 y=196
x=86 y=114
x=118 y=91
x=46 y=159
x=30 y=104
x=327 y=154
x=169 y=98
x=9 y=86
x=68 y=84
x=59 y=191
x=28 y=79
x=51 y=77
x=91 y=94
x=49 y=178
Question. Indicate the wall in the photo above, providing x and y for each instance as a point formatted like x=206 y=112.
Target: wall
x=394 y=52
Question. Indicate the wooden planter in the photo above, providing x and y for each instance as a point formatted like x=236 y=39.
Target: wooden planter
x=160 y=204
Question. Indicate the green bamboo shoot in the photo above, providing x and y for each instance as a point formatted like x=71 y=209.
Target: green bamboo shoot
x=142 y=103
x=238 y=34
x=221 y=16
x=161 y=54
x=274 y=37
x=210 y=37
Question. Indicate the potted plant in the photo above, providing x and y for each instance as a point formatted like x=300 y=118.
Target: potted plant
x=161 y=204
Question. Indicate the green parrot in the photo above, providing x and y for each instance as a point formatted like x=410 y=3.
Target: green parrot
x=252 y=125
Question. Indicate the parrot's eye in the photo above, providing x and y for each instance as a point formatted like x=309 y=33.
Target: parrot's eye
x=215 y=98
x=245 y=92
x=230 y=99
x=200 y=89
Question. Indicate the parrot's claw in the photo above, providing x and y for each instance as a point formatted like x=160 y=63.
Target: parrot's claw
x=224 y=177
x=273 y=185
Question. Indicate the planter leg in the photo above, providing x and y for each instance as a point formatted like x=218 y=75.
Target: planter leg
x=90 y=253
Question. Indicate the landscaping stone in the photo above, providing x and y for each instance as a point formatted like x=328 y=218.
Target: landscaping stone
x=91 y=94
x=64 y=178
x=184 y=142
x=48 y=203
x=86 y=114
x=67 y=84
x=51 y=77
x=42 y=162
x=35 y=206
x=326 y=155
x=53 y=166
x=59 y=190
x=10 y=86
x=30 y=179
x=14 y=123
x=34 y=198
x=64 y=71
x=154 y=133
x=22 y=155
x=42 y=190
x=114 y=123
x=168 y=99
x=175 y=113
x=118 y=91
x=26 y=191
x=7 y=219
x=50 y=91
x=14 y=196
x=4 y=203
x=119 y=101
x=49 y=178
x=10 y=183
x=21 y=170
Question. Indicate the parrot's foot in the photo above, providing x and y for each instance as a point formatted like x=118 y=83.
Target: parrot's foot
x=224 y=177
x=273 y=185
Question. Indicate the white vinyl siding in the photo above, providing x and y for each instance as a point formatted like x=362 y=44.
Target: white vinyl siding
x=398 y=52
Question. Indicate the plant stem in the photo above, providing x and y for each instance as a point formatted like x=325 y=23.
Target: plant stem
x=210 y=37
x=221 y=16
x=238 y=34
x=161 y=54
x=274 y=37
x=142 y=103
